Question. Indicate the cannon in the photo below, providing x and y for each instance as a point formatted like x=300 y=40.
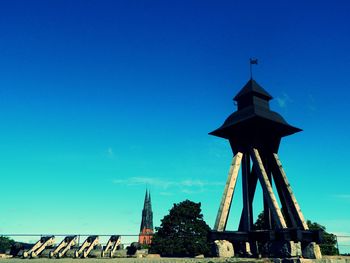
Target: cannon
x=132 y=249
x=63 y=247
x=18 y=248
x=111 y=246
x=37 y=249
x=86 y=247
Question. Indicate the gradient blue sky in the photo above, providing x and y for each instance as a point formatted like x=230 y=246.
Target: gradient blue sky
x=101 y=99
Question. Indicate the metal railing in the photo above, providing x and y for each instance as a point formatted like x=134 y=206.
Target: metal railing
x=342 y=241
x=343 y=244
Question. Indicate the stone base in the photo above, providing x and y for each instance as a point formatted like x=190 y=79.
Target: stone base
x=5 y=256
x=290 y=249
x=121 y=253
x=279 y=249
x=312 y=251
x=244 y=249
x=339 y=259
x=153 y=256
x=223 y=249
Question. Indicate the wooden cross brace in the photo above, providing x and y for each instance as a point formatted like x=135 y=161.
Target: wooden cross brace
x=290 y=206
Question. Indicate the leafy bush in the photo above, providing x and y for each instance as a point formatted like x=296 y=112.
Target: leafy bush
x=5 y=244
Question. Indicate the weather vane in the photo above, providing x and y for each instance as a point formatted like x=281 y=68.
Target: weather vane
x=252 y=61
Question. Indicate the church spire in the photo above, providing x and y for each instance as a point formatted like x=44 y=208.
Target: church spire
x=146 y=200
x=146 y=228
x=147 y=214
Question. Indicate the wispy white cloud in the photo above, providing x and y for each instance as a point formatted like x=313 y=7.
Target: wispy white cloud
x=185 y=186
x=110 y=152
x=343 y=196
x=311 y=104
x=283 y=100
x=193 y=191
x=198 y=183
x=164 y=193
x=144 y=181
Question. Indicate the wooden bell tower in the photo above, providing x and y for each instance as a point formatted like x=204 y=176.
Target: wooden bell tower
x=254 y=133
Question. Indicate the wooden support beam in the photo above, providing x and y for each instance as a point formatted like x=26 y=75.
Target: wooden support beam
x=267 y=189
x=292 y=204
x=268 y=224
x=247 y=209
x=267 y=214
x=282 y=193
x=287 y=211
x=225 y=205
x=253 y=180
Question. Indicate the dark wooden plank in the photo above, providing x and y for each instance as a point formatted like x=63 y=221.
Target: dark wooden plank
x=253 y=180
x=292 y=204
x=286 y=234
x=267 y=189
x=267 y=211
x=247 y=206
x=282 y=194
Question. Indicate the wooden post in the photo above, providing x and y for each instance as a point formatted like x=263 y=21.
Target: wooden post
x=267 y=189
x=246 y=222
x=287 y=212
x=247 y=208
x=267 y=210
x=225 y=205
x=292 y=204
x=253 y=179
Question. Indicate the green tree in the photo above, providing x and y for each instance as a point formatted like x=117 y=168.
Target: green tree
x=328 y=245
x=260 y=222
x=5 y=244
x=183 y=233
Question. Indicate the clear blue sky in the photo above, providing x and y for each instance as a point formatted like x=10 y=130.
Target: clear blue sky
x=101 y=99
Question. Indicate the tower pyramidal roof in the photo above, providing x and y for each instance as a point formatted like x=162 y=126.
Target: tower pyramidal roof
x=254 y=123
x=147 y=214
x=252 y=88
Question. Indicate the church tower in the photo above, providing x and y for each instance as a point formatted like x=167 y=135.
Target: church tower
x=146 y=228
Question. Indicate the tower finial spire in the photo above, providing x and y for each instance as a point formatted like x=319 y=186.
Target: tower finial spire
x=252 y=61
